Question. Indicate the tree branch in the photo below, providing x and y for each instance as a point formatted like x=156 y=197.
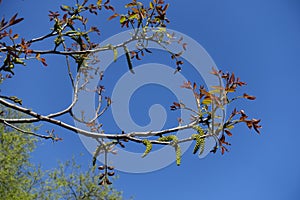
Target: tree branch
x=132 y=136
x=28 y=132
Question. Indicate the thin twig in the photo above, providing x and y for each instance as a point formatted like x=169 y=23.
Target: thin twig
x=28 y=132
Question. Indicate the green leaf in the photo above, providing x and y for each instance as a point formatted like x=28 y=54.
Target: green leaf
x=162 y=29
x=65 y=8
x=207 y=101
x=230 y=127
x=151 y=5
x=133 y=16
x=122 y=19
x=19 y=61
x=99 y=2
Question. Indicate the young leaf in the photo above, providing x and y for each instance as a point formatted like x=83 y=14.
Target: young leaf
x=99 y=2
x=122 y=19
x=113 y=16
x=13 y=20
x=246 y=96
x=228 y=133
x=16 y=100
x=207 y=100
x=151 y=5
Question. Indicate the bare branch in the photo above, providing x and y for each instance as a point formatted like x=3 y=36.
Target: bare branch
x=28 y=132
x=132 y=136
x=69 y=66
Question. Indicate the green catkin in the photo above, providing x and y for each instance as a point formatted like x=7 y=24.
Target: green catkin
x=200 y=140
x=175 y=144
x=198 y=143
x=202 y=145
x=167 y=138
x=178 y=154
x=148 y=145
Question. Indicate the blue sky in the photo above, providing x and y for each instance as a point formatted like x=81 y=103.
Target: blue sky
x=258 y=40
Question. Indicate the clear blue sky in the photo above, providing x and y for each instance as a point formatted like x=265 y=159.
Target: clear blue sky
x=258 y=40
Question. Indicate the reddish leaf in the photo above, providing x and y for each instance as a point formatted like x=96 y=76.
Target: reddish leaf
x=194 y=86
x=176 y=104
x=256 y=126
x=13 y=20
x=249 y=124
x=173 y=107
x=95 y=29
x=137 y=57
x=135 y=10
x=113 y=16
x=166 y=7
x=243 y=113
x=246 y=96
x=228 y=133
x=109 y=8
x=180 y=121
x=53 y=15
x=222 y=150
x=186 y=85
x=232 y=78
x=43 y=60
x=179 y=62
x=214 y=71
x=16 y=36
x=90 y=124
x=56 y=139
x=240 y=83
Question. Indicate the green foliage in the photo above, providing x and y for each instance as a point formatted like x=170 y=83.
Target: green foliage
x=69 y=182
x=20 y=179
x=17 y=174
